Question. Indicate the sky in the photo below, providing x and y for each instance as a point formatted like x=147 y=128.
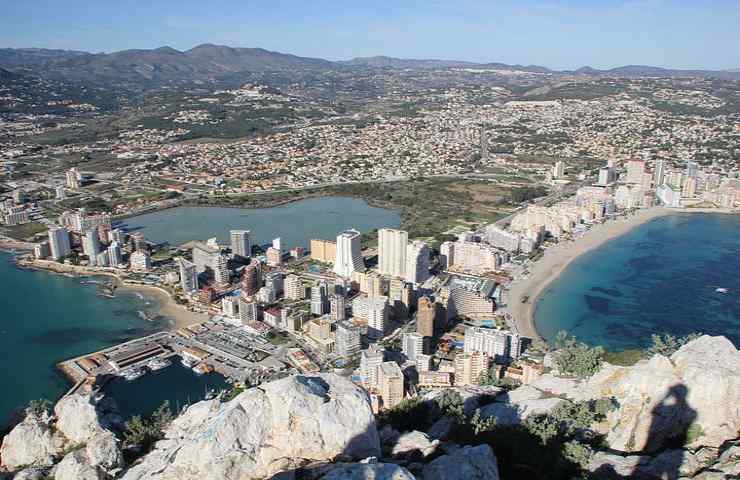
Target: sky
x=556 y=34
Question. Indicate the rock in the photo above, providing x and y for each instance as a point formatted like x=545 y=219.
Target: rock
x=729 y=461
x=468 y=463
x=692 y=397
x=415 y=441
x=33 y=473
x=442 y=428
x=78 y=418
x=515 y=413
x=711 y=476
x=74 y=466
x=669 y=465
x=525 y=392
x=103 y=450
x=265 y=430
x=31 y=443
x=558 y=386
x=376 y=471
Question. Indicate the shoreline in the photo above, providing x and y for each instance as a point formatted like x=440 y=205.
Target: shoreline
x=557 y=258
x=177 y=315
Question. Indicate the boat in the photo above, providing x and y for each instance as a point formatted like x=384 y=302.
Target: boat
x=721 y=290
x=202 y=368
x=132 y=373
x=188 y=363
x=158 y=364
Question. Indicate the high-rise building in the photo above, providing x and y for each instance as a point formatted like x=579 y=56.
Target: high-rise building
x=423 y=362
x=347 y=339
x=274 y=256
x=689 y=187
x=390 y=384
x=274 y=280
x=377 y=316
x=91 y=246
x=370 y=360
x=338 y=307
x=446 y=255
x=221 y=273
x=118 y=235
x=392 y=246
x=204 y=256
x=324 y=251
x=59 y=242
x=497 y=344
x=241 y=246
x=607 y=176
x=692 y=169
x=659 y=174
x=230 y=306
x=251 y=278
x=349 y=254
x=74 y=179
x=412 y=345
x=319 y=298
x=558 y=170
x=41 y=250
x=115 y=255
x=470 y=367
x=425 y=316
x=294 y=289
x=248 y=311
x=188 y=276
x=635 y=171
x=277 y=244
x=102 y=259
x=417 y=262
x=140 y=262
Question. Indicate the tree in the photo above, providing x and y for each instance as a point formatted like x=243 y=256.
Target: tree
x=144 y=432
x=576 y=358
x=667 y=344
x=39 y=408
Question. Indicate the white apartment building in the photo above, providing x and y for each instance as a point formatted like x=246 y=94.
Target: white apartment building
x=392 y=246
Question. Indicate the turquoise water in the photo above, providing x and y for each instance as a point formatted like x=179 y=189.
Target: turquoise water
x=296 y=223
x=659 y=277
x=47 y=318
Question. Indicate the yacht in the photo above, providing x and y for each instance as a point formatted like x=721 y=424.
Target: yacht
x=132 y=373
x=158 y=364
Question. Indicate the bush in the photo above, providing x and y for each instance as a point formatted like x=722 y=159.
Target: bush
x=39 y=408
x=142 y=433
x=667 y=344
x=576 y=358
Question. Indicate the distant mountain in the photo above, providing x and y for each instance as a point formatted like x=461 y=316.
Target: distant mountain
x=158 y=66
x=208 y=62
x=409 y=63
x=6 y=75
x=649 y=71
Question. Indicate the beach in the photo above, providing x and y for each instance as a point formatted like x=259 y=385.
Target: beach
x=557 y=258
x=177 y=314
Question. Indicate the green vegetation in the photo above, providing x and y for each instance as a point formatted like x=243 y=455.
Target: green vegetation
x=576 y=358
x=693 y=433
x=27 y=230
x=624 y=358
x=39 y=408
x=667 y=344
x=141 y=433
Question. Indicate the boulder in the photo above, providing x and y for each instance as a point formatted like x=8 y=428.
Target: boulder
x=669 y=465
x=74 y=466
x=33 y=442
x=690 y=398
x=559 y=386
x=468 y=463
x=388 y=435
x=78 y=418
x=515 y=413
x=103 y=450
x=374 y=471
x=442 y=428
x=33 y=473
x=415 y=441
x=729 y=461
x=266 y=430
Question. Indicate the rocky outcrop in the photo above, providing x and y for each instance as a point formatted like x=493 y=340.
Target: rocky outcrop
x=76 y=429
x=361 y=471
x=33 y=442
x=468 y=463
x=414 y=443
x=265 y=430
x=516 y=406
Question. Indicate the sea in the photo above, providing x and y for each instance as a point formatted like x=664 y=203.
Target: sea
x=661 y=277
x=46 y=318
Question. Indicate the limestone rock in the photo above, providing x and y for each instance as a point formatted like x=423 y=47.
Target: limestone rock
x=374 y=471
x=33 y=473
x=669 y=465
x=415 y=441
x=442 y=428
x=468 y=463
x=729 y=461
x=103 y=450
x=78 y=418
x=266 y=430
x=31 y=442
x=74 y=466
x=554 y=385
x=515 y=406
x=693 y=396
x=388 y=435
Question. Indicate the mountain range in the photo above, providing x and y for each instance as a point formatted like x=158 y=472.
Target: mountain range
x=208 y=62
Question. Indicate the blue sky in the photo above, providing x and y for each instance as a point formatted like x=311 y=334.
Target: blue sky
x=564 y=34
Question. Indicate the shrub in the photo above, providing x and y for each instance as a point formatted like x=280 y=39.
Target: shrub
x=144 y=432
x=667 y=344
x=576 y=358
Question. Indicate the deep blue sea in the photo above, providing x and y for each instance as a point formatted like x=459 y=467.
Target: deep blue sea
x=660 y=277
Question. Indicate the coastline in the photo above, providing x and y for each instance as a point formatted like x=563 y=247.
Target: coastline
x=556 y=259
x=177 y=315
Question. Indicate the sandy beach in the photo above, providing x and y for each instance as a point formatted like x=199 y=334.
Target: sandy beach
x=178 y=315
x=557 y=258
